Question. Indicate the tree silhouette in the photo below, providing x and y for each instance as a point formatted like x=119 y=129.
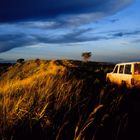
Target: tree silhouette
x=21 y=60
x=86 y=56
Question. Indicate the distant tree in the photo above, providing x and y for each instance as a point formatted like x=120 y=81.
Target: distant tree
x=21 y=60
x=37 y=61
x=86 y=56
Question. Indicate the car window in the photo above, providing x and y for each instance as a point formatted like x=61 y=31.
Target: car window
x=136 y=68
x=127 y=69
x=121 y=69
x=116 y=69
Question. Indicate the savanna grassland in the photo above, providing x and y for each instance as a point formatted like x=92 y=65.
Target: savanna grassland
x=66 y=100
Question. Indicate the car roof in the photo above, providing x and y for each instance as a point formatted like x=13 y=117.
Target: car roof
x=127 y=63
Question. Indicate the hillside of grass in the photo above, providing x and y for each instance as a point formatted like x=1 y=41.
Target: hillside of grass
x=65 y=100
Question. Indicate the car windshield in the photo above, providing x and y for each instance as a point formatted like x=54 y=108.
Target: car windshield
x=136 y=68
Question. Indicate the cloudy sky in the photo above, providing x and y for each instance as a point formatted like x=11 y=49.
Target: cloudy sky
x=58 y=29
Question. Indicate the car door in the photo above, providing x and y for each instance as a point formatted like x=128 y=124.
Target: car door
x=127 y=74
x=120 y=76
x=114 y=74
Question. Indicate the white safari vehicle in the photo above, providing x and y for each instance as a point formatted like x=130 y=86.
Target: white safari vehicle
x=125 y=73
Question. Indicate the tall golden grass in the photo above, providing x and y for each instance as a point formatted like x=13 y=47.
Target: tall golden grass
x=60 y=100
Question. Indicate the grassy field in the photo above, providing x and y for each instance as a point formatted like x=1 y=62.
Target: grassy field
x=66 y=100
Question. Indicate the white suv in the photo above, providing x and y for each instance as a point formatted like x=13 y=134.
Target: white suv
x=125 y=73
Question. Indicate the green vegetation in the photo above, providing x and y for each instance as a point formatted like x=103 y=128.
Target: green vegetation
x=65 y=100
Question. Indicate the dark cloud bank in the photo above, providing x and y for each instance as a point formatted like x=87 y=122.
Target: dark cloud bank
x=8 y=42
x=15 y=10
x=61 y=13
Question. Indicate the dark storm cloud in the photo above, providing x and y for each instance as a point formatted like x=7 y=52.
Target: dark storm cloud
x=114 y=20
x=52 y=14
x=72 y=37
x=10 y=41
x=125 y=33
x=20 y=10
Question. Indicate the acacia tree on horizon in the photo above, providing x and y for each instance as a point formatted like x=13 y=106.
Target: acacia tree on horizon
x=86 y=56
